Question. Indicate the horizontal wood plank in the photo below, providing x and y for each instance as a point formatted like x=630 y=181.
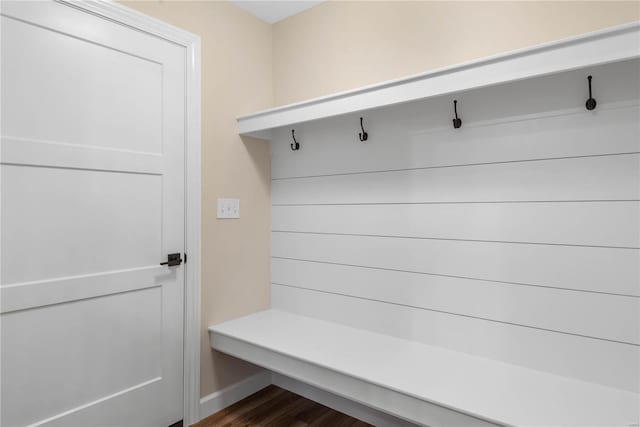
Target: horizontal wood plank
x=609 y=317
x=615 y=177
x=607 y=270
x=570 y=223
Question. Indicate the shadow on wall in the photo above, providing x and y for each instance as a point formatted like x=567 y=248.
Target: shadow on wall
x=232 y=365
x=258 y=149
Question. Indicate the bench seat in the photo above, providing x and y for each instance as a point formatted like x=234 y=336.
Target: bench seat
x=423 y=384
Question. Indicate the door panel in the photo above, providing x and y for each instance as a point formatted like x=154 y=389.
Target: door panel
x=121 y=222
x=90 y=95
x=92 y=180
x=86 y=343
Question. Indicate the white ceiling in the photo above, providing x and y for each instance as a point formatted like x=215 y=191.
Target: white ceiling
x=273 y=11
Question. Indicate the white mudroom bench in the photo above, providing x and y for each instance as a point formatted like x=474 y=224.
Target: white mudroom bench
x=423 y=384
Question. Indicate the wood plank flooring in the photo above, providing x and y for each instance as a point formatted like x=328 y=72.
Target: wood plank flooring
x=276 y=407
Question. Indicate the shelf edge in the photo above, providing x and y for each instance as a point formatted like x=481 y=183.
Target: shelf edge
x=609 y=45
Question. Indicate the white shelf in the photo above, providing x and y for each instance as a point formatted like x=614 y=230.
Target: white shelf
x=420 y=383
x=610 y=45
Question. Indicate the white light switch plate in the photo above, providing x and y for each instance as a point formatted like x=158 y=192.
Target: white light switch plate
x=228 y=208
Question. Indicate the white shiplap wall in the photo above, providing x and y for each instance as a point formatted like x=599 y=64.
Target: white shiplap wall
x=515 y=237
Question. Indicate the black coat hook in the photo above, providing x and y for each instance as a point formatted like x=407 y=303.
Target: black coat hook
x=591 y=102
x=363 y=135
x=457 y=122
x=295 y=146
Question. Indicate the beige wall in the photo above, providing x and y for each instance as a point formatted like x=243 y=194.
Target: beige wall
x=337 y=46
x=236 y=79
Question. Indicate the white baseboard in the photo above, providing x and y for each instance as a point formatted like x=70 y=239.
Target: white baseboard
x=341 y=404
x=220 y=399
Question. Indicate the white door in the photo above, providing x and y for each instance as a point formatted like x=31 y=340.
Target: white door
x=93 y=186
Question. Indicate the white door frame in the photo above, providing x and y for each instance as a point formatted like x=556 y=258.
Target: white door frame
x=191 y=42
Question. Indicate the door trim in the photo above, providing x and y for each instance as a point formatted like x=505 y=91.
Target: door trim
x=191 y=42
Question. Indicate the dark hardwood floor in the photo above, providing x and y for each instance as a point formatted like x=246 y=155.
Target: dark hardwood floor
x=275 y=407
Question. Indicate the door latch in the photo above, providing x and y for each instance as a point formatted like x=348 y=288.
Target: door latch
x=172 y=260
